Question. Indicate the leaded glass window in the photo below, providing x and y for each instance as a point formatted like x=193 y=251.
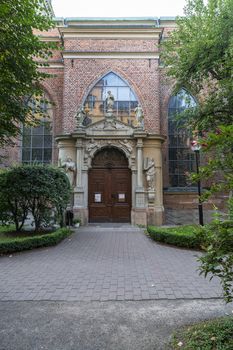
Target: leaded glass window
x=125 y=100
x=181 y=158
x=37 y=141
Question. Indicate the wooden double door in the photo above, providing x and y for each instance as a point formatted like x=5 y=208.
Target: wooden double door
x=110 y=188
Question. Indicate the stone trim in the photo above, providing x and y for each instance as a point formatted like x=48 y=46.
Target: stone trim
x=118 y=55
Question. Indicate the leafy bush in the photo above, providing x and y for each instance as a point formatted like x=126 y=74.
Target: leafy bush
x=181 y=236
x=208 y=335
x=36 y=189
x=17 y=244
x=217 y=240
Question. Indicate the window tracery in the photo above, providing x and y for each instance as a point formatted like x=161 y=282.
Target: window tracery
x=181 y=158
x=125 y=100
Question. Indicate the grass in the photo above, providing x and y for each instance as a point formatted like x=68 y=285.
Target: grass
x=215 y=334
x=11 y=241
x=181 y=236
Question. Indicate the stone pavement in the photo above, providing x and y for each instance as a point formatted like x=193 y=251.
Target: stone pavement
x=114 y=325
x=101 y=263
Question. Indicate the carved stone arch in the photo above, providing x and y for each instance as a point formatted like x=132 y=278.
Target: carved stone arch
x=110 y=157
x=98 y=145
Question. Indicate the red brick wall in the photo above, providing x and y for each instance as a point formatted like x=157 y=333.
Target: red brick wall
x=141 y=74
x=111 y=45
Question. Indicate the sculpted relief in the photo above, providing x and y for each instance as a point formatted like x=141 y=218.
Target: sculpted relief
x=69 y=167
x=125 y=145
x=149 y=168
x=139 y=117
x=110 y=101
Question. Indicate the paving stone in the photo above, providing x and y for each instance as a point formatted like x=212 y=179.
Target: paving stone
x=105 y=263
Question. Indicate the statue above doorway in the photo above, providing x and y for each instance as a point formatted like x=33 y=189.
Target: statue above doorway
x=112 y=96
x=110 y=102
x=139 y=117
x=82 y=117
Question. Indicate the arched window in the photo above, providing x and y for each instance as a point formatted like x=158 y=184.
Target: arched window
x=37 y=141
x=181 y=158
x=125 y=100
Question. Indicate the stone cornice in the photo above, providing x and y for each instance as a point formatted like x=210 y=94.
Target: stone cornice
x=110 y=54
x=48 y=38
x=113 y=33
x=51 y=64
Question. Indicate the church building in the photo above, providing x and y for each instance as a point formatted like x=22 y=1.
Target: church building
x=111 y=122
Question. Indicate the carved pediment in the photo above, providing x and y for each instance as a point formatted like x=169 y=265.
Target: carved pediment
x=110 y=126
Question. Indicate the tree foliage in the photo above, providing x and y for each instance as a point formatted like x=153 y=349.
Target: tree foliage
x=198 y=55
x=219 y=168
x=217 y=240
x=21 y=54
x=36 y=189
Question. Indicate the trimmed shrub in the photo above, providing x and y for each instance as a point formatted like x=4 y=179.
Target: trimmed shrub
x=36 y=189
x=181 y=236
x=18 y=244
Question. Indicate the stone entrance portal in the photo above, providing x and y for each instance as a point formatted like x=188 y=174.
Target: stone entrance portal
x=117 y=172
x=109 y=184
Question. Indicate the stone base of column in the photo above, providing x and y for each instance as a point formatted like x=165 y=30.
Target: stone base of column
x=79 y=207
x=82 y=214
x=140 y=198
x=155 y=216
x=139 y=216
x=78 y=197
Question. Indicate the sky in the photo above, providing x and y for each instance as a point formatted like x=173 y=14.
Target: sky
x=117 y=8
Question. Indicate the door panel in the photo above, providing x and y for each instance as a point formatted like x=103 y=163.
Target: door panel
x=121 y=190
x=99 y=209
x=109 y=195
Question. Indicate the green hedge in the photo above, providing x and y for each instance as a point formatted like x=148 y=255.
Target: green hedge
x=181 y=236
x=24 y=243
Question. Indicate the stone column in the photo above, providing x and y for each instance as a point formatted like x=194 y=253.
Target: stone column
x=139 y=163
x=155 y=196
x=79 y=158
x=139 y=216
x=80 y=209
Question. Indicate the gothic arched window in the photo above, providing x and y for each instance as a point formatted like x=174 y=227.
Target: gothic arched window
x=181 y=158
x=125 y=100
x=37 y=140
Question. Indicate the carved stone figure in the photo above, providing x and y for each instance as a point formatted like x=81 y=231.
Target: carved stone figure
x=139 y=116
x=149 y=167
x=91 y=145
x=126 y=143
x=70 y=169
x=87 y=120
x=80 y=116
x=110 y=101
